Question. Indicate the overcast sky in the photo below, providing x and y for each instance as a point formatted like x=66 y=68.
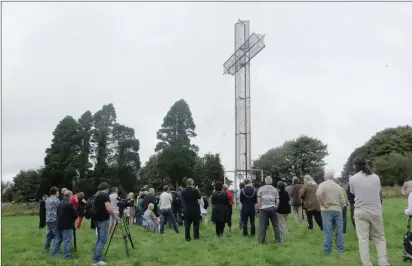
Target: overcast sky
x=335 y=71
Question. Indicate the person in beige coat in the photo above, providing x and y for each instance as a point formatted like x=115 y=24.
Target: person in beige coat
x=310 y=202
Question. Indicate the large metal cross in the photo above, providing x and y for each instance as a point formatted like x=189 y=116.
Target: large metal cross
x=238 y=65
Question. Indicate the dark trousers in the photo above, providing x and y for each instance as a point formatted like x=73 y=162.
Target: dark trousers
x=189 y=220
x=264 y=216
x=246 y=214
x=167 y=216
x=318 y=218
x=229 y=216
x=220 y=227
x=344 y=216
x=352 y=211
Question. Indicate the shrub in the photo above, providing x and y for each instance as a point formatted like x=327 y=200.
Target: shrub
x=17 y=209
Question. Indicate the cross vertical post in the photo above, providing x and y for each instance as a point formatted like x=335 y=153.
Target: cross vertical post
x=238 y=65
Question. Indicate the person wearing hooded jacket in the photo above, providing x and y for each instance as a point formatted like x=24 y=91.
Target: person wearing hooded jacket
x=310 y=202
x=248 y=198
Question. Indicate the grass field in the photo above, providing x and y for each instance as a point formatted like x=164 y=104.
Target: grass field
x=22 y=244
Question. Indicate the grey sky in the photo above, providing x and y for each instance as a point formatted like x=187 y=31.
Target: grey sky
x=335 y=71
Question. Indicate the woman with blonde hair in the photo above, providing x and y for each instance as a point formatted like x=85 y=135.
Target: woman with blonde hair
x=310 y=202
x=132 y=209
x=406 y=190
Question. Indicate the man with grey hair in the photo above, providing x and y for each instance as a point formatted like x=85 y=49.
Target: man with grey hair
x=191 y=209
x=295 y=200
x=268 y=203
x=332 y=200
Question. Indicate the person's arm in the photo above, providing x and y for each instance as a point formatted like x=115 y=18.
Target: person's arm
x=320 y=194
x=277 y=201
x=259 y=199
x=109 y=207
x=198 y=194
x=154 y=217
x=73 y=212
x=213 y=200
x=241 y=197
x=302 y=191
x=408 y=211
x=342 y=199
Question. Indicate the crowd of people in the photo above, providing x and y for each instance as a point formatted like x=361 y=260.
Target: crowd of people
x=325 y=203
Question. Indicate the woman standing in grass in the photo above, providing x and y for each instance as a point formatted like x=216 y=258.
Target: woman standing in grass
x=220 y=206
x=310 y=202
x=81 y=208
x=283 y=210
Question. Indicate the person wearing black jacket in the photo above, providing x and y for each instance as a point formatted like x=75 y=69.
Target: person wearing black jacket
x=220 y=209
x=151 y=198
x=351 y=199
x=190 y=198
x=248 y=198
x=42 y=212
x=283 y=210
x=177 y=206
x=66 y=215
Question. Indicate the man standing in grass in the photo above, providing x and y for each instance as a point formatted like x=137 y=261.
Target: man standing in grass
x=190 y=199
x=332 y=201
x=66 y=215
x=366 y=187
x=295 y=200
x=103 y=210
x=51 y=216
x=268 y=202
x=166 y=214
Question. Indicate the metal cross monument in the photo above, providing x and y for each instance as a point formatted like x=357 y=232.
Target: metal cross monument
x=238 y=65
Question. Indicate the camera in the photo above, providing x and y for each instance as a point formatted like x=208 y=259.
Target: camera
x=122 y=204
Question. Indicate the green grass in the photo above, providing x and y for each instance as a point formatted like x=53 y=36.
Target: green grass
x=22 y=244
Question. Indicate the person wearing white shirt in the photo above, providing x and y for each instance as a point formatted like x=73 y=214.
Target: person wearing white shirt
x=407 y=190
x=165 y=202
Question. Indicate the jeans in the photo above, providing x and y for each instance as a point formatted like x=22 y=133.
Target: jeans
x=51 y=234
x=332 y=220
x=165 y=216
x=102 y=228
x=246 y=214
x=65 y=236
x=266 y=215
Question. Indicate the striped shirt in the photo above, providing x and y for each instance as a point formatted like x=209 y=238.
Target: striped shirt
x=268 y=195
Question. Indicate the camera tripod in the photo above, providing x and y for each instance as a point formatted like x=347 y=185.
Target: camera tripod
x=124 y=225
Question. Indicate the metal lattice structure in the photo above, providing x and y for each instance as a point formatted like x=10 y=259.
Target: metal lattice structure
x=238 y=65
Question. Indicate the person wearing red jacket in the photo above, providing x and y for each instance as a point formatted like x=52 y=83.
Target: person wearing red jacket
x=230 y=195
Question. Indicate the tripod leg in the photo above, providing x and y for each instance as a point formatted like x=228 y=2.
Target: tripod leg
x=111 y=237
x=74 y=240
x=129 y=236
x=123 y=226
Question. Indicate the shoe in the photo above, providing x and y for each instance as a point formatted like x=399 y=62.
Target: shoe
x=100 y=263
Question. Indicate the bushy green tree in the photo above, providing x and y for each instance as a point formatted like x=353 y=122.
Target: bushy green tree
x=393 y=169
x=208 y=170
x=26 y=185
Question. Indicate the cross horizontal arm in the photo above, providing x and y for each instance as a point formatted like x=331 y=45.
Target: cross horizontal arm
x=251 y=47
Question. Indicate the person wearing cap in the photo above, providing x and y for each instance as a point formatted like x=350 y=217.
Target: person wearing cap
x=366 y=187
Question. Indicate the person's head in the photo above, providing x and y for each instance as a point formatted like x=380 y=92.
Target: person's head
x=150 y=206
x=307 y=179
x=218 y=186
x=166 y=188
x=361 y=164
x=407 y=187
x=329 y=175
x=281 y=186
x=140 y=193
x=104 y=187
x=247 y=182
x=225 y=187
x=44 y=197
x=63 y=191
x=242 y=185
x=114 y=190
x=80 y=196
x=54 y=191
x=189 y=182
x=179 y=189
x=68 y=194
x=268 y=180
x=295 y=180
x=130 y=196
x=151 y=191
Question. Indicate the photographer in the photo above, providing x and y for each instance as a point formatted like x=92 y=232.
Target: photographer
x=113 y=201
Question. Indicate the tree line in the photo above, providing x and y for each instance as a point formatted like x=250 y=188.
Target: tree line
x=96 y=148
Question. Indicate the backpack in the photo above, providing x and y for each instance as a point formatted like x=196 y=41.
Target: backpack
x=90 y=210
x=205 y=203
